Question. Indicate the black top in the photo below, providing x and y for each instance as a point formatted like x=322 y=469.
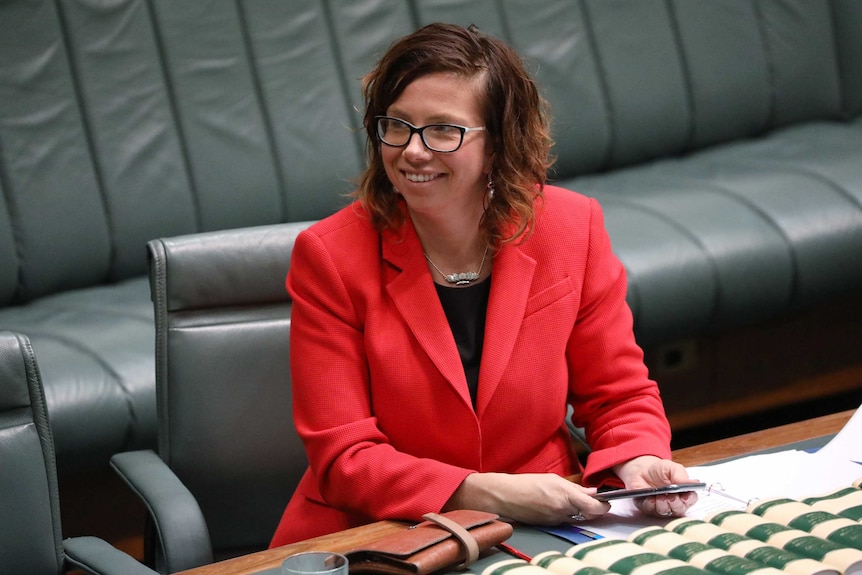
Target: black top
x=465 y=309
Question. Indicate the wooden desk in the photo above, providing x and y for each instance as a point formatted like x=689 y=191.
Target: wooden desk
x=689 y=456
x=762 y=440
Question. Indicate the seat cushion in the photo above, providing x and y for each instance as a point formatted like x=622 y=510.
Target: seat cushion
x=95 y=348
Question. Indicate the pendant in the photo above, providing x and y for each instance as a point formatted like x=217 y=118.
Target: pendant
x=462 y=278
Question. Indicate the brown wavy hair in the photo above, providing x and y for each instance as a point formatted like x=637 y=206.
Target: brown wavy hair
x=516 y=121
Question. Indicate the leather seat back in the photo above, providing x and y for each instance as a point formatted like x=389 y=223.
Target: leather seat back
x=223 y=377
x=30 y=534
x=126 y=121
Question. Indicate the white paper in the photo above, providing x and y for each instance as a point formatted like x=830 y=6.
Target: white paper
x=848 y=443
x=791 y=473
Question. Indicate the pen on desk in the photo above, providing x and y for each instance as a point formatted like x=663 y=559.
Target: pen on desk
x=514 y=552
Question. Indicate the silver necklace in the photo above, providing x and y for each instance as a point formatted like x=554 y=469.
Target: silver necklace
x=463 y=278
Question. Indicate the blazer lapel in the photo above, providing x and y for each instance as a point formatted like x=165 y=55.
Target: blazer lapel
x=510 y=289
x=412 y=290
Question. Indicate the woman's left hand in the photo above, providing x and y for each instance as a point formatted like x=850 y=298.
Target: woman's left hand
x=650 y=471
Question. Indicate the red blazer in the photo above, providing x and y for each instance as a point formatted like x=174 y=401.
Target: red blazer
x=380 y=395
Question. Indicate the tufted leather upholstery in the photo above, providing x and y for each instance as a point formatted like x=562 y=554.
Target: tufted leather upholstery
x=723 y=139
x=30 y=530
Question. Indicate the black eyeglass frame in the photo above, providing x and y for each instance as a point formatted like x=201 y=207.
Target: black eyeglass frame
x=421 y=131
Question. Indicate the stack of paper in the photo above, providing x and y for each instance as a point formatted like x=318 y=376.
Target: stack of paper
x=790 y=473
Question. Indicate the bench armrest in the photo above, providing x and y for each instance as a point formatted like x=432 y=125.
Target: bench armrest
x=182 y=537
x=98 y=557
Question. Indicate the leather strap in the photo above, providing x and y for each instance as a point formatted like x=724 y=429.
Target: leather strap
x=468 y=542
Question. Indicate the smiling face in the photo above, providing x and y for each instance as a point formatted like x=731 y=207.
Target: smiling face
x=435 y=184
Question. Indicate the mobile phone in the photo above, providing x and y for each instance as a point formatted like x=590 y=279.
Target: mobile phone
x=647 y=491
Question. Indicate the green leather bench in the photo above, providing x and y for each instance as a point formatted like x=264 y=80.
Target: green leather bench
x=723 y=138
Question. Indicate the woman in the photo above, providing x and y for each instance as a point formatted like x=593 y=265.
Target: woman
x=443 y=321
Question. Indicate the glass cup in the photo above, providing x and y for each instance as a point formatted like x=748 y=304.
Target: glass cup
x=315 y=563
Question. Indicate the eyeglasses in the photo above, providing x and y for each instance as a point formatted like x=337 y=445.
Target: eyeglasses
x=436 y=137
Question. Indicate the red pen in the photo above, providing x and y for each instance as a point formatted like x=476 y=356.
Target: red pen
x=514 y=552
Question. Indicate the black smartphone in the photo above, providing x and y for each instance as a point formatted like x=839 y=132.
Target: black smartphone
x=647 y=491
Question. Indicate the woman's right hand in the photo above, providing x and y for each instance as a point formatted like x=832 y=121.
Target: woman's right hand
x=531 y=498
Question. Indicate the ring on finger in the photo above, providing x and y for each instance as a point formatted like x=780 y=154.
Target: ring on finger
x=577 y=516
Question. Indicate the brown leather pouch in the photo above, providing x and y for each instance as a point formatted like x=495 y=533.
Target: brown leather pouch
x=450 y=540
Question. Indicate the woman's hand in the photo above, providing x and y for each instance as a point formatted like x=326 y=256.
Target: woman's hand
x=650 y=471
x=531 y=498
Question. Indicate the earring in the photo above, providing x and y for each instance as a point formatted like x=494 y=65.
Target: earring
x=490 y=188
